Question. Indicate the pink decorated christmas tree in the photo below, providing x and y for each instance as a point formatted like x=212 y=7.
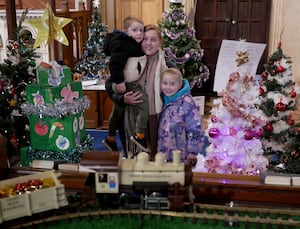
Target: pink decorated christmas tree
x=236 y=126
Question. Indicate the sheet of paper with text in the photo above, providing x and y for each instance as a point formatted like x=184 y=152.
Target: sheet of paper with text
x=227 y=63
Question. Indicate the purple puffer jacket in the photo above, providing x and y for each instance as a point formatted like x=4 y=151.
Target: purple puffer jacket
x=180 y=125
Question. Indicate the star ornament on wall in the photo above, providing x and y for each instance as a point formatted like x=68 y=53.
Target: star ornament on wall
x=50 y=27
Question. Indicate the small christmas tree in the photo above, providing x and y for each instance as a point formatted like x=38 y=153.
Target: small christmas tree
x=95 y=63
x=181 y=45
x=235 y=128
x=278 y=94
x=17 y=71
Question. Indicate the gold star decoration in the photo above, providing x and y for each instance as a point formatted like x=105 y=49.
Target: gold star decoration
x=50 y=27
x=12 y=103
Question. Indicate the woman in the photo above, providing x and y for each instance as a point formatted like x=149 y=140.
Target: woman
x=150 y=81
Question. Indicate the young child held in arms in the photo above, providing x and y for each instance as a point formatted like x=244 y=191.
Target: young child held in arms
x=180 y=126
x=127 y=61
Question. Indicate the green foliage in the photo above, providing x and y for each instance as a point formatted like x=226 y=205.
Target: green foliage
x=16 y=72
x=181 y=45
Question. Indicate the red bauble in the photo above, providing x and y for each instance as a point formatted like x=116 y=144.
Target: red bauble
x=293 y=94
x=280 y=106
x=280 y=69
x=214 y=132
x=269 y=127
x=290 y=120
x=271 y=62
x=13 y=138
x=248 y=134
x=261 y=90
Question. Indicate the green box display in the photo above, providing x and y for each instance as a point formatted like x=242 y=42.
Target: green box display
x=54 y=134
x=37 y=94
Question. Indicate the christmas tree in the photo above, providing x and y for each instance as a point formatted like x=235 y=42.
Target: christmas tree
x=181 y=45
x=94 y=63
x=235 y=127
x=278 y=93
x=17 y=71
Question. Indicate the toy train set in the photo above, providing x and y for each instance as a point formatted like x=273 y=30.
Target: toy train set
x=138 y=189
x=138 y=182
x=204 y=216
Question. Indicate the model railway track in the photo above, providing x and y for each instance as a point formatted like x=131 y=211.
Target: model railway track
x=203 y=212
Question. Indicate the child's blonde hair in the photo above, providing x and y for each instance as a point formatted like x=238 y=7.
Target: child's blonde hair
x=128 y=21
x=174 y=72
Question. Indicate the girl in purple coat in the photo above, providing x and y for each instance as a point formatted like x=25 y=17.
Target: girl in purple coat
x=180 y=126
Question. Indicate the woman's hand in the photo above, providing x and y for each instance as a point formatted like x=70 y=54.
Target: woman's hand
x=121 y=88
x=133 y=98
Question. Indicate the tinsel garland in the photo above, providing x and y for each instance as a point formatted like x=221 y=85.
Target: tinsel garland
x=190 y=32
x=72 y=156
x=192 y=54
x=58 y=109
x=233 y=106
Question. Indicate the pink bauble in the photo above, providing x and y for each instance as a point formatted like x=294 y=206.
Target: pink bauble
x=214 y=118
x=260 y=133
x=248 y=134
x=232 y=131
x=214 y=132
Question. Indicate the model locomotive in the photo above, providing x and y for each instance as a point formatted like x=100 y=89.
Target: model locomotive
x=139 y=182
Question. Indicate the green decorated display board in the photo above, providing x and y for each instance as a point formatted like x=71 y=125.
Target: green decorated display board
x=55 y=107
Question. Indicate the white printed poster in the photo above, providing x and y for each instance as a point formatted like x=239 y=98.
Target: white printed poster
x=227 y=64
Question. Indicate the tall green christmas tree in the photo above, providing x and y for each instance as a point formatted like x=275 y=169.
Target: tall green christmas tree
x=278 y=93
x=16 y=72
x=94 y=63
x=181 y=45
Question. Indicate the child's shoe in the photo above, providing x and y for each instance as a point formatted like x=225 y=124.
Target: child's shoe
x=111 y=146
x=141 y=143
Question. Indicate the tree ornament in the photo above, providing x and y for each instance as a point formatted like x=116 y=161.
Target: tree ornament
x=214 y=118
x=280 y=106
x=248 y=135
x=269 y=127
x=294 y=154
x=232 y=131
x=293 y=94
x=260 y=133
x=261 y=91
x=280 y=69
x=214 y=132
x=290 y=120
x=14 y=141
